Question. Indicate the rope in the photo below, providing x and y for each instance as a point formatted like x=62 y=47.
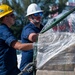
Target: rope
x=28 y=68
x=31 y=66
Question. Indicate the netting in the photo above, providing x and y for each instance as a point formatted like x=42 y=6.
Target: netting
x=56 y=47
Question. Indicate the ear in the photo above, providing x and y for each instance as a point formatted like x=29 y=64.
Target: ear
x=30 y=17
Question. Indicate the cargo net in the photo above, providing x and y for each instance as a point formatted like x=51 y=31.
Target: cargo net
x=56 y=47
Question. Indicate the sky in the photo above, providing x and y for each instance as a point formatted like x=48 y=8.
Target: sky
x=71 y=0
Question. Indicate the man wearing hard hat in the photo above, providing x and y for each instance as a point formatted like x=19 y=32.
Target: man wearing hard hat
x=30 y=33
x=8 y=43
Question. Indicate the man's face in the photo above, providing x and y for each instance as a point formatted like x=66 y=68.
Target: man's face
x=37 y=17
x=11 y=18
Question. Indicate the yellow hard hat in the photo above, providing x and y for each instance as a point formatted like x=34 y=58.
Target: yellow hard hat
x=4 y=10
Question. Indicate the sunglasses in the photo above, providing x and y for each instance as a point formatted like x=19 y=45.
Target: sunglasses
x=11 y=15
x=38 y=14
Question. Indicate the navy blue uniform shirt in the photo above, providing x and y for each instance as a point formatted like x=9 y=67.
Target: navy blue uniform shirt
x=27 y=56
x=8 y=58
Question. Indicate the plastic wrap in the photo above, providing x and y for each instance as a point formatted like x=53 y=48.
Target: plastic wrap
x=56 y=47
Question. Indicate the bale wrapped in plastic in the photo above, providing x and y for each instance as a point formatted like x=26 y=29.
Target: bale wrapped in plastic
x=56 y=48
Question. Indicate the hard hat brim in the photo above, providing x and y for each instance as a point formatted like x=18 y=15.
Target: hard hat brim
x=34 y=12
x=2 y=15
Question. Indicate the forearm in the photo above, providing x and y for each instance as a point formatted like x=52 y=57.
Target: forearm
x=20 y=46
x=27 y=46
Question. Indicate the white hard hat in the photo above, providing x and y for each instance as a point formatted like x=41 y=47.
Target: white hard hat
x=33 y=8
